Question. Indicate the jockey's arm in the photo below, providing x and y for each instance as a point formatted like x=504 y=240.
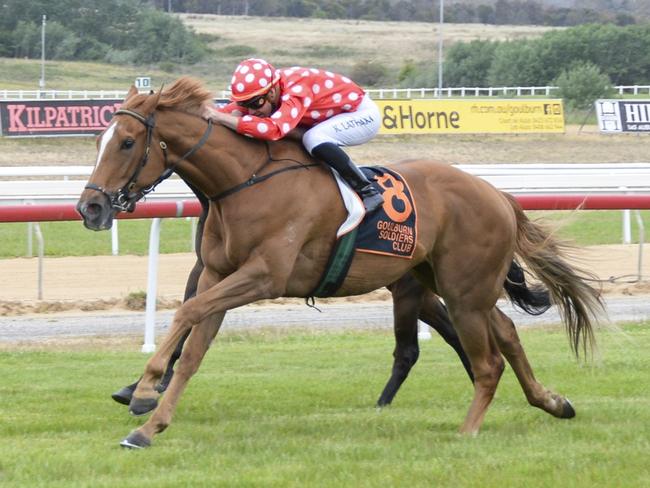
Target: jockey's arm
x=268 y=127
x=229 y=120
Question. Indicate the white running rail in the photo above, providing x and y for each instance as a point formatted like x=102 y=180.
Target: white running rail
x=64 y=184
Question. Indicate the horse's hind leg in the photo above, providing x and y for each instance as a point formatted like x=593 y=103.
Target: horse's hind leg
x=434 y=314
x=196 y=346
x=412 y=301
x=469 y=298
x=407 y=299
x=473 y=327
x=538 y=396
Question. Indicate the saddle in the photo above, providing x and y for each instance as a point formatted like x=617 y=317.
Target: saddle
x=391 y=230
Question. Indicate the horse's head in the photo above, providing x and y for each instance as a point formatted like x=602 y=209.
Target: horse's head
x=129 y=162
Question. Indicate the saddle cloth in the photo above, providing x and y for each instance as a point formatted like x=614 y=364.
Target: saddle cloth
x=390 y=230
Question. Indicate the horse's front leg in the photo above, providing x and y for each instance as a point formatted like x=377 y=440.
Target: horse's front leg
x=249 y=283
x=255 y=280
x=194 y=350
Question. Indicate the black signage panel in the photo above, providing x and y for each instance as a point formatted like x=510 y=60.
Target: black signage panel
x=623 y=115
x=37 y=118
x=635 y=116
x=56 y=117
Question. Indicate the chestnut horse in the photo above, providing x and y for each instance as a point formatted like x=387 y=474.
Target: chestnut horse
x=411 y=302
x=271 y=226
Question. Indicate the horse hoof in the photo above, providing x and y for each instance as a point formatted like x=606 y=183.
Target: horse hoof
x=142 y=406
x=568 y=411
x=123 y=395
x=135 y=440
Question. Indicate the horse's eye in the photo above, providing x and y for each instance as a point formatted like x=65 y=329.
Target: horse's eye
x=128 y=144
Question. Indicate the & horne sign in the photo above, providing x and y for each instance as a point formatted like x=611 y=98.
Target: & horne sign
x=471 y=116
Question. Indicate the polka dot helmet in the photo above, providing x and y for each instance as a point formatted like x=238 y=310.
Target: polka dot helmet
x=252 y=77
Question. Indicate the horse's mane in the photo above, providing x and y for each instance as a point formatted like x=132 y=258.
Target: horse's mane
x=186 y=94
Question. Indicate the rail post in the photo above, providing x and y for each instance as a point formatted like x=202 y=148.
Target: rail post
x=423 y=331
x=639 y=221
x=41 y=252
x=30 y=239
x=115 y=241
x=152 y=282
x=627 y=226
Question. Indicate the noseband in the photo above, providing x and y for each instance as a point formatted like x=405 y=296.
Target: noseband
x=124 y=199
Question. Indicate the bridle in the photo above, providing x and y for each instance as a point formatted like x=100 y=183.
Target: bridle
x=124 y=199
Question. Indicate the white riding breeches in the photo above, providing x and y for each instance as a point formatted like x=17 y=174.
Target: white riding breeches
x=346 y=129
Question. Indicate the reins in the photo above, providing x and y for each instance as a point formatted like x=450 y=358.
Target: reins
x=123 y=199
x=255 y=179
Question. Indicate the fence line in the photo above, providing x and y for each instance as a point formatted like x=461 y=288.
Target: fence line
x=377 y=93
x=59 y=184
x=156 y=210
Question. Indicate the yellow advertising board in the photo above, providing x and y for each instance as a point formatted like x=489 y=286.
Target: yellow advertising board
x=470 y=116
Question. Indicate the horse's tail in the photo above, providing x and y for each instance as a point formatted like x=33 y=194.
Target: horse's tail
x=579 y=303
x=534 y=300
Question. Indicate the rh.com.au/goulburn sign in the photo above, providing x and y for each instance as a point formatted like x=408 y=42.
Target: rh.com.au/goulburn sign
x=471 y=116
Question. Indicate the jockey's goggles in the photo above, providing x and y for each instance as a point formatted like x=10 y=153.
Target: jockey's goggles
x=254 y=103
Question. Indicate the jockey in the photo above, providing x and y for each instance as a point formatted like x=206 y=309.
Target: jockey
x=332 y=110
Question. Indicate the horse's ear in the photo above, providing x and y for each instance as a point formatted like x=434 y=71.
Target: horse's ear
x=151 y=102
x=132 y=92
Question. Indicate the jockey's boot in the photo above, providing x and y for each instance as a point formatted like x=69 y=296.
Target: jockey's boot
x=333 y=155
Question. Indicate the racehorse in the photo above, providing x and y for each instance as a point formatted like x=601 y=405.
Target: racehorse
x=271 y=226
x=411 y=302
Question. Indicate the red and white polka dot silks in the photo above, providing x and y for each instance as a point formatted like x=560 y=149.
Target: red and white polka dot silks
x=308 y=96
x=252 y=77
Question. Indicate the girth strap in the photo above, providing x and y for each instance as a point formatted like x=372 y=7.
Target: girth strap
x=337 y=267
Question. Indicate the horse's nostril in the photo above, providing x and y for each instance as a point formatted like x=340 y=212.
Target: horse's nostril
x=93 y=210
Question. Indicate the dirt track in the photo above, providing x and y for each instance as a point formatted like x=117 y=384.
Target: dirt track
x=104 y=282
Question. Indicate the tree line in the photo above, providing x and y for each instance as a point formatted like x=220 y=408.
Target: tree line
x=583 y=61
x=512 y=12
x=140 y=32
x=115 y=31
x=620 y=53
